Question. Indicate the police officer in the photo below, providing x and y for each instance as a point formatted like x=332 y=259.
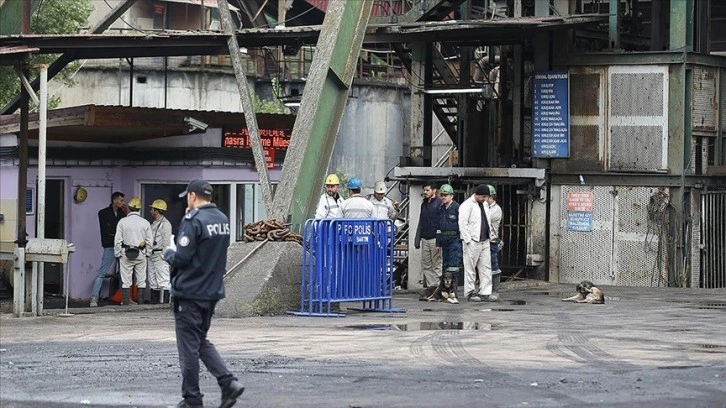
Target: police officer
x=131 y=242
x=356 y=206
x=161 y=239
x=330 y=201
x=199 y=263
x=447 y=236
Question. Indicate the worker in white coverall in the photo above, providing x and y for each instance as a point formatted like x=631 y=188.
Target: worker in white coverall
x=132 y=240
x=385 y=208
x=356 y=206
x=330 y=201
x=476 y=230
x=161 y=240
x=495 y=244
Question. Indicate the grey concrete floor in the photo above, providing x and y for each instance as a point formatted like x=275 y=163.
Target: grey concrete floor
x=654 y=347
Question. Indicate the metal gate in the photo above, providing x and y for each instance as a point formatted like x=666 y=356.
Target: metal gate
x=515 y=212
x=713 y=239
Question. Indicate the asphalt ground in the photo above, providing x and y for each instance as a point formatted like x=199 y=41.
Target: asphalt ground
x=646 y=347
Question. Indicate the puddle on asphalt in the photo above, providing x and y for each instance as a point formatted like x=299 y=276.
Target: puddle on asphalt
x=709 y=348
x=712 y=306
x=496 y=310
x=420 y=326
x=517 y=302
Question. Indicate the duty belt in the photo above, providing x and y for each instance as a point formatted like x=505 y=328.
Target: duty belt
x=452 y=233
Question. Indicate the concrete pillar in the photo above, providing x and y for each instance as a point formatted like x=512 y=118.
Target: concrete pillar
x=414 y=255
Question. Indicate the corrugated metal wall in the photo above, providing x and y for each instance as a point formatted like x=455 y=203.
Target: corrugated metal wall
x=713 y=239
x=638 y=118
x=628 y=245
x=588 y=255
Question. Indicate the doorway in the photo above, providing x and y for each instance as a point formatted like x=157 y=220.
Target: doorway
x=54 y=228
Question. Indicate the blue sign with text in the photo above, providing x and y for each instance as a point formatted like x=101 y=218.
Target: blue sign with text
x=551 y=121
x=579 y=221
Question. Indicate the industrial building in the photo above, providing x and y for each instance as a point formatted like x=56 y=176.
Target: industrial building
x=599 y=122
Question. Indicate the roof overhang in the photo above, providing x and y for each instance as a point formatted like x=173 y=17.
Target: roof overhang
x=492 y=32
x=121 y=124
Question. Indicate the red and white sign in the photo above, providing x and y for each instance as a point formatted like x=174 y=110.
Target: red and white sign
x=270 y=158
x=579 y=201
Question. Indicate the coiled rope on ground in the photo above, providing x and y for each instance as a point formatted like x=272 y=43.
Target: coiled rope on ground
x=271 y=230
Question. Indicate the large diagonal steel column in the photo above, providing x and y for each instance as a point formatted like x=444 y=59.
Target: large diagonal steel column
x=246 y=100
x=321 y=109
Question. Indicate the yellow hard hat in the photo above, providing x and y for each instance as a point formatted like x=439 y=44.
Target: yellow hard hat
x=80 y=195
x=159 y=204
x=135 y=203
x=332 y=179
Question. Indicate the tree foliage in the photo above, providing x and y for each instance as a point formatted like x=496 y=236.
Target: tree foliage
x=274 y=106
x=50 y=17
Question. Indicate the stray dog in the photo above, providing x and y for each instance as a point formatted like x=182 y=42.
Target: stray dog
x=444 y=291
x=587 y=292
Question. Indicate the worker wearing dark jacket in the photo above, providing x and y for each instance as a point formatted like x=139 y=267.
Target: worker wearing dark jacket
x=447 y=237
x=428 y=223
x=199 y=263
x=108 y=219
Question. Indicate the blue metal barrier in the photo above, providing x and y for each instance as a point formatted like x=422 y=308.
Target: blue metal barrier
x=346 y=260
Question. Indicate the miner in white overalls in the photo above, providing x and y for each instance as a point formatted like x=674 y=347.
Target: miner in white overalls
x=161 y=240
x=132 y=240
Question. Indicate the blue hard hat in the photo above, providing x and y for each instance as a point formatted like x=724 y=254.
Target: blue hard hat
x=354 y=183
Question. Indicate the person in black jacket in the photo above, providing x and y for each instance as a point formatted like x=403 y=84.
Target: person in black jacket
x=428 y=224
x=108 y=218
x=199 y=263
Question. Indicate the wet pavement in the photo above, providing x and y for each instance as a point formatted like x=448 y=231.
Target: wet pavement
x=645 y=347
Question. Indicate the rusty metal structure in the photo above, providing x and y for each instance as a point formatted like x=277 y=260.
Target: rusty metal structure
x=647 y=94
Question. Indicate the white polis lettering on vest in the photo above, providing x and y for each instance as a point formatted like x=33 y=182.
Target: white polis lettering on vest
x=218 y=229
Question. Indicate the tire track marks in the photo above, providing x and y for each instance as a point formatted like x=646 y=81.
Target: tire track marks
x=578 y=348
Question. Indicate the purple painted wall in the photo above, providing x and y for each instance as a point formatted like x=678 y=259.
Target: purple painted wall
x=81 y=220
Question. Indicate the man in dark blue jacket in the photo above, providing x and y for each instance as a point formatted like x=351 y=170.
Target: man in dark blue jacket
x=448 y=238
x=199 y=263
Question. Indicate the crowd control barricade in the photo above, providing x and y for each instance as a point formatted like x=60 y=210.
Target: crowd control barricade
x=346 y=260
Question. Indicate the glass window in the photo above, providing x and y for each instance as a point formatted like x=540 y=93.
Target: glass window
x=250 y=206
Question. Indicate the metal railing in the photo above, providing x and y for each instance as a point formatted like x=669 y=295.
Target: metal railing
x=346 y=260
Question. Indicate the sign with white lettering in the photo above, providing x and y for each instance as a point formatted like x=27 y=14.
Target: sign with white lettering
x=579 y=221
x=359 y=233
x=551 y=116
x=579 y=211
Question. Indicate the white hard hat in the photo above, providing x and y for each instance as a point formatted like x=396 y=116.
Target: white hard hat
x=380 y=187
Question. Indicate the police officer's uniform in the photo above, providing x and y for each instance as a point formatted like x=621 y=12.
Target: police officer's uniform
x=196 y=285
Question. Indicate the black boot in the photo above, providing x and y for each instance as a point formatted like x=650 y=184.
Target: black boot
x=154 y=296
x=126 y=297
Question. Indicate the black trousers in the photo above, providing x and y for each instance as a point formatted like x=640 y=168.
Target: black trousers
x=193 y=319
